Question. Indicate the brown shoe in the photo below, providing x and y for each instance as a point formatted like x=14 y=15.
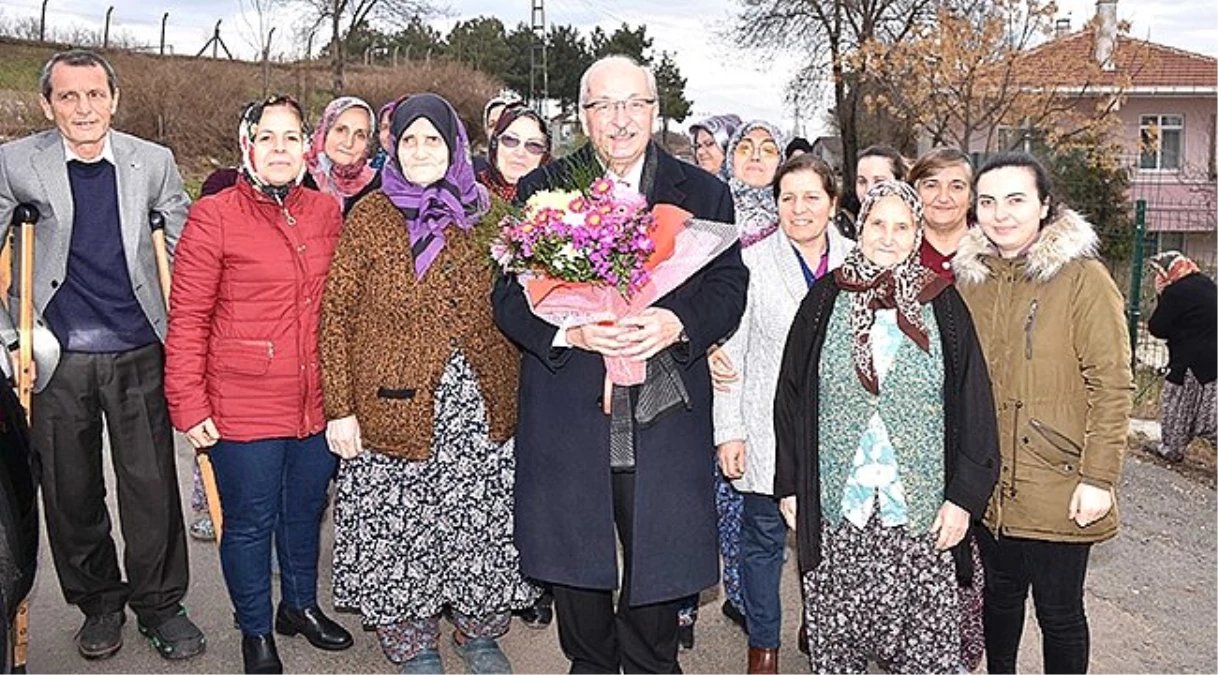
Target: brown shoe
x=763 y=660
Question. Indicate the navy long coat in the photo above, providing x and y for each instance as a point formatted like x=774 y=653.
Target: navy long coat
x=564 y=507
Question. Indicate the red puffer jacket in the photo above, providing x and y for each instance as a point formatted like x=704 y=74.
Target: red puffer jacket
x=244 y=313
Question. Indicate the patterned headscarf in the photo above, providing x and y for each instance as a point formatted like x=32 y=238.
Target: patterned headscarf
x=1170 y=267
x=721 y=128
x=456 y=199
x=756 y=211
x=492 y=177
x=338 y=181
x=248 y=129
x=905 y=286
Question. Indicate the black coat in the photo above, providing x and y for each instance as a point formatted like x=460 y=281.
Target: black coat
x=1186 y=316
x=971 y=460
x=564 y=507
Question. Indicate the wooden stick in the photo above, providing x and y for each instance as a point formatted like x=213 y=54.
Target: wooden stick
x=206 y=474
x=25 y=387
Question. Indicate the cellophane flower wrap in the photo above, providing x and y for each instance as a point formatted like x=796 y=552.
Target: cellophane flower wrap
x=602 y=255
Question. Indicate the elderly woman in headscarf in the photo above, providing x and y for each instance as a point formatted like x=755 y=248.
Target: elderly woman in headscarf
x=887 y=449
x=709 y=140
x=420 y=391
x=339 y=151
x=1185 y=316
x=519 y=143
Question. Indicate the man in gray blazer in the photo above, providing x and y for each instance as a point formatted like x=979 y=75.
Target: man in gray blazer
x=100 y=323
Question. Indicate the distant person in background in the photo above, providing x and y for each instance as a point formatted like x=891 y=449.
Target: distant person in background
x=1185 y=316
x=490 y=117
x=709 y=139
x=943 y=178
x=754 y=154
x=383 y=136
x=875 y=164
x=520 y=142
x=338 y=153
x=798 y=146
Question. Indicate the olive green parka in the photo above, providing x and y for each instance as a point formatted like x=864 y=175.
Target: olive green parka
x=1052 y=328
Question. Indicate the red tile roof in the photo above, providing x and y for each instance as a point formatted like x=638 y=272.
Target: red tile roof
x=1069 y=61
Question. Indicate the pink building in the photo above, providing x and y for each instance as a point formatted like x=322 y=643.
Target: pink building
x=1168 y=121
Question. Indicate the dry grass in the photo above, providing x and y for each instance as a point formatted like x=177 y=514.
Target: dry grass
x=192 y=104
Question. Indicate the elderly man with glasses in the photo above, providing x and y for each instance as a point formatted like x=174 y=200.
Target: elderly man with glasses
x=573 y=494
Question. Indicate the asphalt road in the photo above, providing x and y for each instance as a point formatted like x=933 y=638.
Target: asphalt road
x=1150 y=596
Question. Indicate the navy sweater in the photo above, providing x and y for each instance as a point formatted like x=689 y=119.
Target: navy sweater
x=94 y=310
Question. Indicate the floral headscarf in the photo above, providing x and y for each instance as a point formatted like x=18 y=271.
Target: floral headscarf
x=1170 y=267
x=721 y=128
x=905 y=286
x=491 y=176
x=338 y=181
x=756 y=211
x=248 y=129
x=456 y=199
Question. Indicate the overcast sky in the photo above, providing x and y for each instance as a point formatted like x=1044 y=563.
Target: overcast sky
x=719 y=79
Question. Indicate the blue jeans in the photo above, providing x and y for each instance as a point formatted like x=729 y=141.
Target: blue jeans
x=275 y=486
x=763 y=534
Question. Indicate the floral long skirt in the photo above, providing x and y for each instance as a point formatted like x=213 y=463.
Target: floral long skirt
x=1187 y=413
x=880 y=593
x=412 y=538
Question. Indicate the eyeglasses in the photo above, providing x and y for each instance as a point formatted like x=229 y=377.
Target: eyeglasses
x=532 y=146
x=635 y=107
x=746 y=148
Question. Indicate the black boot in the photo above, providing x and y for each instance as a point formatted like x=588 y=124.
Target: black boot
x=259 y=654
x=540 y=613
x=318 y=629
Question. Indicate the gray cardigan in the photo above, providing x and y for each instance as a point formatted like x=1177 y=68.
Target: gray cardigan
x=746 y=411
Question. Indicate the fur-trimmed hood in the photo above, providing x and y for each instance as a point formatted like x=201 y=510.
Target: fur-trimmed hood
x=1068 y=238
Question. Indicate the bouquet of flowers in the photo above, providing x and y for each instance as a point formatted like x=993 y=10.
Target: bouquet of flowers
x=601 y=255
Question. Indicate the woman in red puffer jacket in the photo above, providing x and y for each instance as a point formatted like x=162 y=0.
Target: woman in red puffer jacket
x=243 y=380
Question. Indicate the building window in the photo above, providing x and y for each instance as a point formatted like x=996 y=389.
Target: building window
x=1161 y=141
x=1015 y=138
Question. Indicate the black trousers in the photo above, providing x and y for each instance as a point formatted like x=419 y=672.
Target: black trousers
x=127 y=390
x=598 y=638
x=1055 y=571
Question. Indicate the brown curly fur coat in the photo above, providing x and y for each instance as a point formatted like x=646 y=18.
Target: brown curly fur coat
x=386 y=336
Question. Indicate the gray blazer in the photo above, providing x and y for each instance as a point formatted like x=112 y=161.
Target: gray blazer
x=745 y=411
x=34 y=170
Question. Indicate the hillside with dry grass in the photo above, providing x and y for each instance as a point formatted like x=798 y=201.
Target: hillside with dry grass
x=191 y=104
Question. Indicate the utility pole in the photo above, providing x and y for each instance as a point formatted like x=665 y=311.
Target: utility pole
x=216 y=44
x=539 y=78
x=106 y=33
x=164 y=18
x=42 y=23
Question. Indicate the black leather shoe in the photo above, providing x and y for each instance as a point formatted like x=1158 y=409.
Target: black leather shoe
x=736 y=617
x=540 y=613
x=317 y=628
x=259 y=654
x=685 y=637
x=101 y=635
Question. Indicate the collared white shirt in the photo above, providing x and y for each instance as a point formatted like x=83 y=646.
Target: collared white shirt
x=632 y=178
x=107 y=152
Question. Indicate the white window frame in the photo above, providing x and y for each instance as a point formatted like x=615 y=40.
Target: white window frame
x=1164 y=123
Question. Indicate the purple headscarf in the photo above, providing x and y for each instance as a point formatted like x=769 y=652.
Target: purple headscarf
x=456 y=199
